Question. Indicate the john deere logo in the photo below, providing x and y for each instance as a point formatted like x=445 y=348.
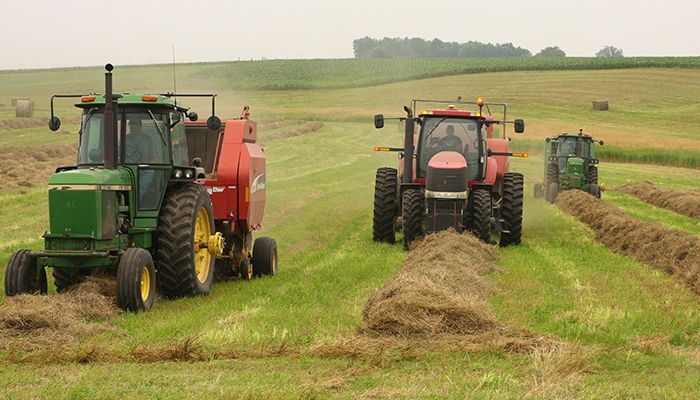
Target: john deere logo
x=258 y=183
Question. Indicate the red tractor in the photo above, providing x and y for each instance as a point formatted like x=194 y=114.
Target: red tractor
x=454 y=173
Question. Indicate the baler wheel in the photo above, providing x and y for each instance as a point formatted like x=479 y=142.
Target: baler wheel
x=413 y=210
x=512 y=208
x=22 y=276
x=385 y=207
x=479 y=212
x=64 y=278
x=136 y=280
x=265 y=260
x=185 y=223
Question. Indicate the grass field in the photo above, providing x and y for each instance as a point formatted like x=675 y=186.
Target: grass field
x=635 y=329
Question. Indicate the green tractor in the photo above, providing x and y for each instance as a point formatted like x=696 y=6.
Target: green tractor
x=137 y=207
x=569 y=163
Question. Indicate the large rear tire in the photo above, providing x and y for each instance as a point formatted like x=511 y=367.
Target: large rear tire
x=512 y=208
x=593 y=175
x=265 y=261
x=552 y=177
x=136 y=280
x=479 y=212
x=553 y=192
x=22 y=275
x=385 y=199
x=413 y=210
x=186 y=220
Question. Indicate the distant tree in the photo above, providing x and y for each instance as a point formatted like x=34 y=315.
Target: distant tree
x=609 y=51
x=551 y=51
x=367 y=47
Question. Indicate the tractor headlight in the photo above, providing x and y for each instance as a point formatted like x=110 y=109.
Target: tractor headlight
x=177 y=174
x=189 y=174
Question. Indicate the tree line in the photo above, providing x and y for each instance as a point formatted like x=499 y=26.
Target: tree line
x=368 y=47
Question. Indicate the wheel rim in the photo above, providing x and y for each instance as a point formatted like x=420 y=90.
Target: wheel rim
x=202 y=257
x=274 y=265
x=145 y=283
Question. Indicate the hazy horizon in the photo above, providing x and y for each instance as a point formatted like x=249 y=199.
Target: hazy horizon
x=76 y=33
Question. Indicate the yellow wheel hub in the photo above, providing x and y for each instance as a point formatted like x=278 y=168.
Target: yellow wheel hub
x=145 y=283
x=202 y=257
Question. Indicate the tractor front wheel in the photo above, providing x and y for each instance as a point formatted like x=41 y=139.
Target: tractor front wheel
x=479 y=213
x=186 y=221
x=413 y=210
x=512 y=208
x=22 y=275
x=136 y=280
x=65 y=278
x=385 y=198
x=265 y=261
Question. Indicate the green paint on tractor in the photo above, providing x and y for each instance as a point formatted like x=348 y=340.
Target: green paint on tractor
x=569 y=163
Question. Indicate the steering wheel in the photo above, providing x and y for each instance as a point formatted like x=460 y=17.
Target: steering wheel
x=133 y=152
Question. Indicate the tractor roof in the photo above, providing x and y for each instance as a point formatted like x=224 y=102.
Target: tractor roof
x=452 y=112
x=131 y=99
x=576 y=135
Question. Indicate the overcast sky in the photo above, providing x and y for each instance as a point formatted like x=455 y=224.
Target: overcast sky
x=63 y=33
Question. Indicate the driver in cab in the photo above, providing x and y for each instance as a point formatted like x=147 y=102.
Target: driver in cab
x=450 y=142
x=139 y=146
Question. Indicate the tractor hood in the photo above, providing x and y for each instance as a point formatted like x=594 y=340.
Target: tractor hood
x=447 y=173
x=96 y=178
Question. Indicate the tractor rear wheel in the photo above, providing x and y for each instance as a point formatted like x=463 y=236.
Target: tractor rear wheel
x=512 y=208
x=22 y=275
x=553 y=192
x=385 y=199
x=136 y=280
x=594 y=190
x=539 y=190
x=186 y=221
x=265 y=261
x=593 y=175
x=64 y=278
x=479 y=213
x=552 y=177
x=413 y=210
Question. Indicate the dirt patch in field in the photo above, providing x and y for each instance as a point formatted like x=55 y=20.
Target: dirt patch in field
x=436 y=301
x=23 y=167
x=30 y=322
x=686 y=202
x=676 y=252
x=287 y=129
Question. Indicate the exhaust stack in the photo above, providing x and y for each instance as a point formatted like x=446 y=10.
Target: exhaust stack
x=110 y=122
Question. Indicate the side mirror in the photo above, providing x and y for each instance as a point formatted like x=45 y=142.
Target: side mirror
x=54 y=124
x=192 y=116
x=519 y=125
x=379 y=121
x=214 y=123
x=602 y=142
x=197 y=161
x=547 y=140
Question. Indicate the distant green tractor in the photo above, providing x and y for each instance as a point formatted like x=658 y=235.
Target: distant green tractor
x=569 y=163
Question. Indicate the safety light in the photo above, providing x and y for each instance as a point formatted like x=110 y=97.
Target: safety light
x=149 y=98
x=189 y=174
x=87 y=99
x=178 y=174
x=480 y=101
x=523 y=155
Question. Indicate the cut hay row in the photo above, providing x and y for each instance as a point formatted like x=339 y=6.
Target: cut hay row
x=31 y=322
x=39 y=163
x=686 y=202
x=676 y=252
x=437 y=301
x=300 y=128
x=34 y=122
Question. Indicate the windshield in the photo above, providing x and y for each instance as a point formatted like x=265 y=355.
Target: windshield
x=145 y=137
x=449 y=134
x=570 y=146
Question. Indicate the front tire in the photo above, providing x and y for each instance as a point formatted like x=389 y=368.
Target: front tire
x=479 y=213
x=136 y=280
x=413 y=210
x=22 y=275
x=385 y=199
x=186 y=220
x=512 y=208
x=265 y=261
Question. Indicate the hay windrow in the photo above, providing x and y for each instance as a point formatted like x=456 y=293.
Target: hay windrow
x=686 y=202
x=31 y=322
x=676 y=252
x=42 y=159
x=291 y=130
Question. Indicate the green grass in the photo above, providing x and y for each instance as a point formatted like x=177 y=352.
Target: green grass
x=559 y=283
x=646 y=212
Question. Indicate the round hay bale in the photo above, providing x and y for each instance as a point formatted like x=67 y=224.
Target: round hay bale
x=600 y=105
x=13 y=101
x=24 y=109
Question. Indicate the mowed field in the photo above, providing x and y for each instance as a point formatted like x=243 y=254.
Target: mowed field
x=626 y=329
